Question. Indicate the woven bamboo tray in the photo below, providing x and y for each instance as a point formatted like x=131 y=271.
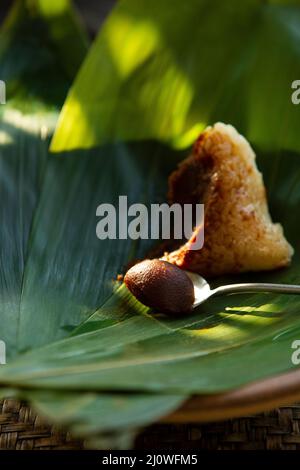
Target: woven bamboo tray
x=22 y=429
x=275 y=430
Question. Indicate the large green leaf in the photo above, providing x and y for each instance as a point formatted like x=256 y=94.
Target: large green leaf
x=223 y=345
x=27 y=121
x=41 y=296
x=166 y=69
x=69 y=272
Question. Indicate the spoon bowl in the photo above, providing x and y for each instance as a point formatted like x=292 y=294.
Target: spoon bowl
x=203 y=291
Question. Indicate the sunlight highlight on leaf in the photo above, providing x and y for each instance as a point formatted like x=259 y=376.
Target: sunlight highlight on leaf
x=187 y=139
x=163 y=67
x=139 y=39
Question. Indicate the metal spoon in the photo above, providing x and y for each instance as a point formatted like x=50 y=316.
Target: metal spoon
x=204 y=292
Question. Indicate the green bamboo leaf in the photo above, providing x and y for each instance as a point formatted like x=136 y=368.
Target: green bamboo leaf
x=25 y=137
x=66 y=31
x=28 y=176
x=165 y=70
x=70 y=272
x=27 y=120
x=34 y=65
x=227 y=345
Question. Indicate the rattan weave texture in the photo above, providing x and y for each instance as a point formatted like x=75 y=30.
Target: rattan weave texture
x=275 y=430
x=22 y=429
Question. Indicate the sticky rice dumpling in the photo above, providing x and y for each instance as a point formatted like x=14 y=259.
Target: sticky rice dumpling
x=239 y=234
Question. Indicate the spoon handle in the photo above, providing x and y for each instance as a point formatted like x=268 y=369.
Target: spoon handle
x=256 y=287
